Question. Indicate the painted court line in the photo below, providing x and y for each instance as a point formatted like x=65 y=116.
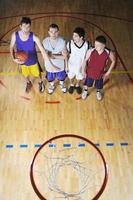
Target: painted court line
x=2 y=84
x=81 y=145
x=66 y=145
x=78 y=98
x=23 y=146
x=26 y=98
x=97 y=145
x=113 y=72
x=9 y=146
x=37 y=145
x=124 y=144
x=52 y=102
x=52 y=145
x=109 y=144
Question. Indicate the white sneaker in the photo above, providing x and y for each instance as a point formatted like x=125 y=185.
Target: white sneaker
x=63 y=88
x=51 y=89
x=99 y=95
x=84 y=94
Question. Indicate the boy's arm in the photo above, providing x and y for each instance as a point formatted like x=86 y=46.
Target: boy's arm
x=113 y=60
x=38 y=43
x=67 y=56
x=12 y=44
x=87 y=57
x=43 y=52
x=62 y=55
x=66 y=60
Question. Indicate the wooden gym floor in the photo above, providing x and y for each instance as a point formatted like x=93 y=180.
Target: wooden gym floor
x=27 y=120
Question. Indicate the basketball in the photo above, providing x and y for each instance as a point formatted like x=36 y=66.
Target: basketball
x=21 y=55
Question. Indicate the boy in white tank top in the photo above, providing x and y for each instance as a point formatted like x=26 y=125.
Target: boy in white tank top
x=56 y=48
x=77 y=49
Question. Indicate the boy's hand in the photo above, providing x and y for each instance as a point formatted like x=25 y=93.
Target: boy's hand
x=18 y=61
x=106 y=76
x=84 y=74
x=51 y=56
x=55 y=68
x=66 y=70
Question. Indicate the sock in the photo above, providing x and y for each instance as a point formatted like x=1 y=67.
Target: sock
x=98 y=90
x=52 y=83
x=72 y=84
x=40 y=82
x=61 y=82
x=77 y=85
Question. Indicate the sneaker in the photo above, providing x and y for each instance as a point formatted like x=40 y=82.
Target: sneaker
x=99 y=95
x=28 y=87
x=71 y=89
x=63 y=88
x=51 y=89
x=41 y=86
x=78 y=89
x=84 y=94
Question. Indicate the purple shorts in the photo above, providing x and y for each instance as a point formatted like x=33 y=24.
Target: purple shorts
x=51 y=76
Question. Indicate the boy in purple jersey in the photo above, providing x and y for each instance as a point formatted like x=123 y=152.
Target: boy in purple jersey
x=26 y=41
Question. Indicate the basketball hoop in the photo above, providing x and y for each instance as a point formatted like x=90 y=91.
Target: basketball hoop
x=68 y=167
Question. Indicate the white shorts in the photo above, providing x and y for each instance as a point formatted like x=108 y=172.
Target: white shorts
x=78 y=76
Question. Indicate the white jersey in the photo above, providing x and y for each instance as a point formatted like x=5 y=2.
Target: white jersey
x=77 y=55
x=57 y=50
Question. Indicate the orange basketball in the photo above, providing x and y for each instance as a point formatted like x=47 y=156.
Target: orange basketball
x=21 y=55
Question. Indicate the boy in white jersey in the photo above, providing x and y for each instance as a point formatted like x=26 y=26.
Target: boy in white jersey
x=56 y=48
x=77 y=49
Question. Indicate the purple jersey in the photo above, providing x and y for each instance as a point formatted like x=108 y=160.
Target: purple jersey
x=29 y=47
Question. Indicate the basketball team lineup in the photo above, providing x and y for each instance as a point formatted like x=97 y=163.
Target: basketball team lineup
x=66 y=100
x=58 y=63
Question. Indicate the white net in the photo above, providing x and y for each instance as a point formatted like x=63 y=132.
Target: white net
x=70 y=172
